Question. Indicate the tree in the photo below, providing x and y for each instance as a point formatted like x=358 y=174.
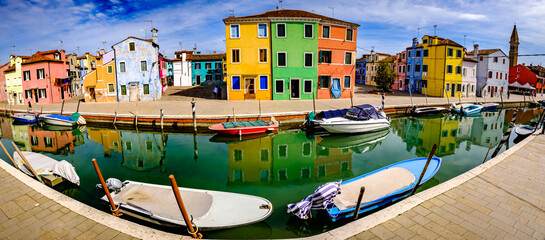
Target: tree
x=385 y=76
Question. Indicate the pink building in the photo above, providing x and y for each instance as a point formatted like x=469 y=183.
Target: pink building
x=163 y=74
x=3 y=91
x=400 y=64
x=45 y=78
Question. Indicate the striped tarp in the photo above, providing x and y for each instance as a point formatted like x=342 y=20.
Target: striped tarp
x=322 y=198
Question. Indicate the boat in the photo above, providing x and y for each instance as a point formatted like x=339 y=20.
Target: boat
x=524 y=130
x=359 y=143
x=419 y=111
x=382 y=187
x=44 y=165
x=24 y=117
x=467 y=109
x=60 y=120
x=359 y=119
x=245 y=127
x=210 y=210
x=490 y=106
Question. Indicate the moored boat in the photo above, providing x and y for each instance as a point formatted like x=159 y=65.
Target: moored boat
x=245 y=127
x=419 y=111
x=359 y=119
x=490 y=106
x=210 y=210
x=524 y=130
x=467 y=109
x=61 y=120
x=44 y=165
x=24 y=117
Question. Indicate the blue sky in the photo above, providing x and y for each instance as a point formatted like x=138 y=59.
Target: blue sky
x=386 y=25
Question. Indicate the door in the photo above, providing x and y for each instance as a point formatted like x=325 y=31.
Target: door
x=92 y=93
x=62 y=92
x=198 y=79
x=35 y=93
x=295 y=89
x=452 y=90
x=249 y=88
x=133 y=92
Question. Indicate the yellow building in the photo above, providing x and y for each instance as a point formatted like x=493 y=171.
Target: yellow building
x=14 y=82
x=109 y=139
x=251 y=161
x=100 y=85
x=442 y=67
x=248 y=58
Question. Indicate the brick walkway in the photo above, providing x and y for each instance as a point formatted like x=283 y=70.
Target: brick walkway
x=506 y=201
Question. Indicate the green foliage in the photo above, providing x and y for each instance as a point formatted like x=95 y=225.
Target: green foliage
x=385 y=76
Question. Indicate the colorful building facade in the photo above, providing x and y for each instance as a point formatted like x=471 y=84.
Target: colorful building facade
x=100 y=84
x=469 y=77
x=14 y=85
x=3 y=90
x=360 y=69
x=527 y=78
x=207 y=69
x=400 y=67
x=441 y=67
x=413 y=78
x=371 y=67
x=181 y=69
x=492 y=71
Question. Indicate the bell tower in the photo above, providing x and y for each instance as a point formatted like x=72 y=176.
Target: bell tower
x=514 y=49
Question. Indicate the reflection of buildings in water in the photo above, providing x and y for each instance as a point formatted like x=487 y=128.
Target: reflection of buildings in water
x=52 y=142
x=293 y=157
x=331 y=161
x=19 y=134
x=109 y=139
x=5 y=127
x=524 y=116
x=407 y=129
x=488 y=129
x=251 y=160
x=142 y=151
x=464 y=131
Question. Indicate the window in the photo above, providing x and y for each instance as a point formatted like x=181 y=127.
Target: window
x=208 y=77
x=458 y=70
x=409 y=53
x=324 y=81
x=309 y=59
x=307 y=86
x=123 y=90
x=40 y=73
x=110 y=69
x=496 y=75
x=143 y=66
x=458 y=87
x=281 y=59
x=424 y=68
x=26 y=75
x=281 y=30
x=349 y=33
x=458 y=53
x=501 y=75
x=131 y=46
x=347 y=82
x=417 y=68
x=489 y=74
x=425 y=52
x=235 y=33
x=235 y=82
x=146 y=88
x=408 y=67
x=495 y=59
x=235 y=55
x=348 y=58
x=504 y=61
x=518 y=69
x=128 y=146
x=418 y=53
x=197 y=65
x=263 y=82
x=450 y=52
x=42 y=93
x=309 y=31
x=449 y=69
x=425 y=40
x=448 y=87
x=481 y=58
x=122 y=67
x=399 y=69
x=279 y=86
x=218 y=77
x=262 y=30
x=325 y=31
x=218 y=65
x=111 y=88
x=325 y=56
x=262 y=55
x=207 y=65
x=28 y=94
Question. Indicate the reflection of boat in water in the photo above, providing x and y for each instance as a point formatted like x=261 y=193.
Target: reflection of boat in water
x=522 y=132
x=420 y=111
x=358 y=143
x=80 y=129
x=209 y=210
x=222 y=138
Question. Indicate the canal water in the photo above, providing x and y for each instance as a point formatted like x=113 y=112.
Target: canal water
x=283 y=167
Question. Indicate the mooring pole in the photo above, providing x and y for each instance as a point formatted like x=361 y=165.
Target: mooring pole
x=259 y=116
x=234 y=116
x=9 y=156
x=161 y=119
x=41 y=110
x=383 y=102
x=507 y=134
x=115 y=116
x=360 y=197
x=26 y=162
x=411 y=94
x=351 y=100
x=501 y=100
x=484 y=160
x=194 y=115
x=181 y=205
x=195 y=151
x=62 y=107
x=77 y=109
x=313 y=102
x=115 y=210
x=136 y=115
x=425 y=168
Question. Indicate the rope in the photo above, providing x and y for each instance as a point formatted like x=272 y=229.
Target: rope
x=114 y=210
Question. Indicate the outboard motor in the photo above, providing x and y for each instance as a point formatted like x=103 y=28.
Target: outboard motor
x=113 y=184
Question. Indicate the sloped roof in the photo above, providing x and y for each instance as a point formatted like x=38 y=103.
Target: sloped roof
x=514 y=34
x=39 y=57
x=388 y=59
x=287 y=13
x=208 y=57
x=449 y=43
x=6 y=64
x=141 y=39
x=485 y=51
x=470 y=59
x=539 y=70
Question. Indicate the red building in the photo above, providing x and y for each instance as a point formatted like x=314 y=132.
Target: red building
x=45 y=77
x=521 y=75
x=399 y=67
x=3 y=90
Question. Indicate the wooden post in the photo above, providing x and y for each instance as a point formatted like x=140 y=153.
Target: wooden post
x=259 y=116
x=181 y=205
x=9 y=156
x=77 y=109
x=351 y=100
x=484 y=160
x=62 y=107
x=115 y=210
x=194 y=115
x=426 y=95
x=411 y=94
x=26 y=162
x=136 y=115
x=448 y=98
x=314 y=102
x=41 y=110
x=115 y=116
x=425 y=168
x=501 y=100
x=161 y=119
x=234 y=116
x=524 y=94
x=362 y=190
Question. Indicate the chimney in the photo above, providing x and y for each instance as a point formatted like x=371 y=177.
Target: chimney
x=154 y=35
x=214 y=52
x=101 y=52
x=523 y=64
x=415 y=42
x=11 y=60
x=475 y=50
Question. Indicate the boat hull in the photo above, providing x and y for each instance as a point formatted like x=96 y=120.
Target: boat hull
x=219 y=128
x=59 y=120
x=24 y=117
x=428 y=111
x=343 y=125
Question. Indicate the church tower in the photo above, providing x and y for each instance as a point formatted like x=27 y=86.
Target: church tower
x=514 y=50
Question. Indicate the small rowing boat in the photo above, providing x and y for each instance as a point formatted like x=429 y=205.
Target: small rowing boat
x=24 y=117
x=245 y=127
x=44 y=165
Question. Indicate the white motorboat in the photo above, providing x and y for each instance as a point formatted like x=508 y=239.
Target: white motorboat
x=59 y=120
x=24 y=117
x=359 y=119
x=524 y=130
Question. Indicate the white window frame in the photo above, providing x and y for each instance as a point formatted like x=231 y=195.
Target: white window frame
x=303 y=147
x=121 y=70
x=346 y=35
x=231 y=31
x=311 y=85
x=111 y=93
x=350 y=76
x=110 y=69
x=38 y=75
x=266 y=30
x=351 y=56
x=130 y=46
x=141 y=65
x=259 y=55
x=305 y=59
x=285 y=30
x=329 y=26
x=286 y=53
x=283 y=86
x=259 y=79
x=24 y=75
x=239 y=56
x=287 y=152
x=305 y=31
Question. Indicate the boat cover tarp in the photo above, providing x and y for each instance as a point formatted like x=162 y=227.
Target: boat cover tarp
x=236 y=124
x=60 y=117
x=336 y=88
x=44 y=165
x=332 y=113
x=364 y=112
x=322 y=198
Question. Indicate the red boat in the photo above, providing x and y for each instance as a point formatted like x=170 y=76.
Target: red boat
x=244 y=127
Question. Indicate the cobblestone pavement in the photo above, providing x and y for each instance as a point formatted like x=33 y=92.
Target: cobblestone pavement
x=506 y=201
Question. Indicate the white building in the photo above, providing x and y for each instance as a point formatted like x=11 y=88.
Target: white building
x=181 y=68
x=492 y=71
x=469 y=77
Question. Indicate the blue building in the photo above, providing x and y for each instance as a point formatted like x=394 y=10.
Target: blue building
x=207 y=69
x=137 y=69
x=413 y=77
x=170 y=72
x=360 y=69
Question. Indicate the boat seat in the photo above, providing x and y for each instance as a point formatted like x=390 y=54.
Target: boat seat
x=376 y=186
x=228 y=124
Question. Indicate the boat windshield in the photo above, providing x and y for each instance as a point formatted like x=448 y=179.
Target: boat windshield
x=363 y=112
